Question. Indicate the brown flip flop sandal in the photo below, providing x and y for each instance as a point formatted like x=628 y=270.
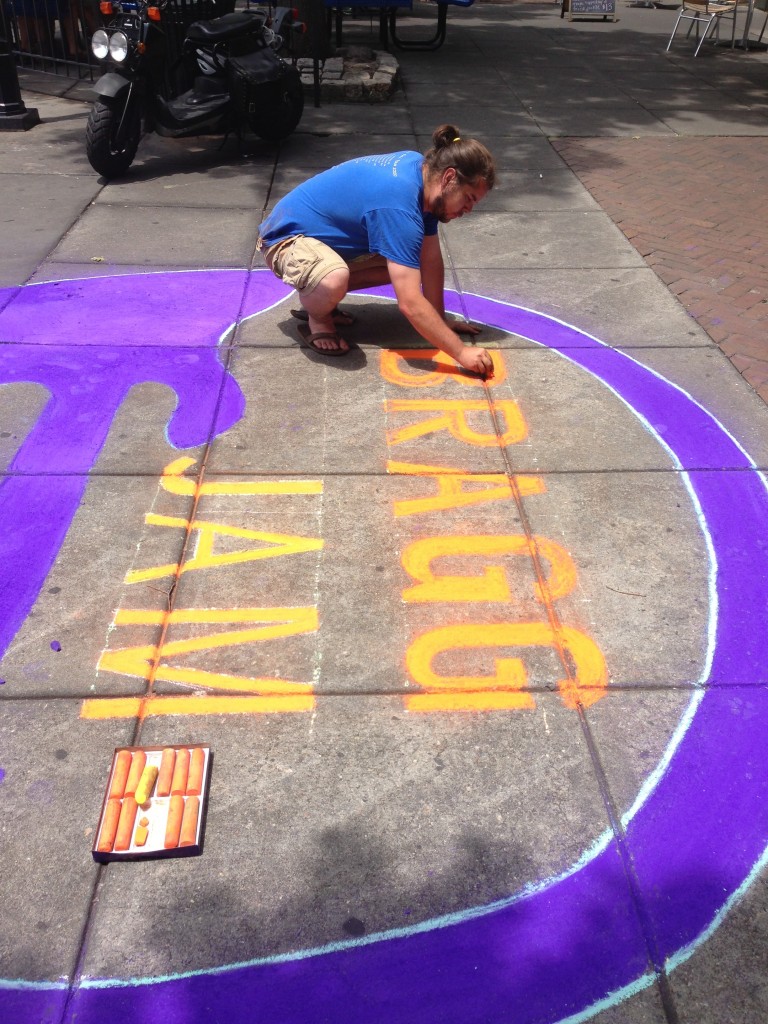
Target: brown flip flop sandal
x=340 y=317
x=310 y=339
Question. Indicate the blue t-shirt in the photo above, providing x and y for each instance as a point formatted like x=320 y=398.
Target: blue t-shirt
x=373 y=204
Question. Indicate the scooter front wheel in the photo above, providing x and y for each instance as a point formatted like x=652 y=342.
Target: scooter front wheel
x=112 y=137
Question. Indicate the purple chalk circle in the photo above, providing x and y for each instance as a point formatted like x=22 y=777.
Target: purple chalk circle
x=566 y=947
x=55 y=645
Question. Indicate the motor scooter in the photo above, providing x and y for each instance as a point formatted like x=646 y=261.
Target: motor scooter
x=227 y=78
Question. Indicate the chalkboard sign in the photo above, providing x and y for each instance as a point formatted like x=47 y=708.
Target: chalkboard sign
x=589 y=8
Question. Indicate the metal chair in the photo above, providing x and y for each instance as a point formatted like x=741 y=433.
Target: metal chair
x=708 y=13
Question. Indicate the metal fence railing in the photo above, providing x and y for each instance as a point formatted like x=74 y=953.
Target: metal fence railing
x=55 y=35
x=51 y=35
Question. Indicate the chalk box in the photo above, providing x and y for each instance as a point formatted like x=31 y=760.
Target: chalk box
x=156 y=810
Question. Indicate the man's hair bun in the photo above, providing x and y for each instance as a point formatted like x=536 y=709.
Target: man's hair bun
x=444 y=135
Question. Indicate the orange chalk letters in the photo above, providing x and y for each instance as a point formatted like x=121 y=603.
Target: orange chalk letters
x=230 y=693
x=586 y=686
x=456 y=489
x=394 y=361
x=278 y=544
x=453 y=418
x=493 y=584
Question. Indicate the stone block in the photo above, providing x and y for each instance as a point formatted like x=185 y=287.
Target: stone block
x=353 y=91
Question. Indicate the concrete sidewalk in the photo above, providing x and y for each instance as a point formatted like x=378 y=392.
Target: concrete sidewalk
x=482 y=666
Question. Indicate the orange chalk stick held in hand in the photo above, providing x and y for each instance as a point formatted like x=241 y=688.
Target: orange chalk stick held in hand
x=138 y=762
x=173 y=825
x=189 y=821
x=109 y=826
x=180 y=772
x=165 y=778
x=120 y=776
x=196 y=768
x=125 y=825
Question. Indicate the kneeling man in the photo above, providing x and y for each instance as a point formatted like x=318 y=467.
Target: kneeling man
x=373 y=221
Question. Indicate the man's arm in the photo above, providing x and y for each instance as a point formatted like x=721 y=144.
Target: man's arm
x=433 y=274
x=433 y=283
x=423 y=316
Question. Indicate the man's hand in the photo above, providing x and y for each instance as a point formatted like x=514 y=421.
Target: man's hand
x=463 y=327
x=478 y=360
x=430 y=324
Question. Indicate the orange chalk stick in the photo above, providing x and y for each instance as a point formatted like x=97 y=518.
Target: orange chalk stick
x=120 y=775
x=173 y=825
x=164 y=779
x=189 y=821
x=180 y=772
x=196 y=767
x=138 y=761
x=140 y=836
x=109 y=826
x=125 y=825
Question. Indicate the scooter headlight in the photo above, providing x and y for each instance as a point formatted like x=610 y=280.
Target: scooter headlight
x=100 y=44
x=118 y=46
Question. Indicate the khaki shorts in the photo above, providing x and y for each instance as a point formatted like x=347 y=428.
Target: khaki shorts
x=303 y=262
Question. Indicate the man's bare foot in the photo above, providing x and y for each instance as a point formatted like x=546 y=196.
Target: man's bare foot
x=324 y=336
x=326 y=343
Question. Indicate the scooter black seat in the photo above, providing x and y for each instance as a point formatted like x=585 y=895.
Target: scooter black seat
x=228 y=26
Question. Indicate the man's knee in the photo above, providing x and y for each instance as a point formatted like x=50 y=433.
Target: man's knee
x=335 y=283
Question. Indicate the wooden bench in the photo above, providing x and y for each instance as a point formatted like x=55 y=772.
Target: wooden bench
x=388 y=10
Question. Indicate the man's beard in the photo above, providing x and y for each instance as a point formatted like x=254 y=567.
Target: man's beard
x=438 y=210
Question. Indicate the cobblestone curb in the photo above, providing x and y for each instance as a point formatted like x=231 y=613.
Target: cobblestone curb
x=356 y=74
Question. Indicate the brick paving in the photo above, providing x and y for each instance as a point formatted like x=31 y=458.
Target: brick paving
x=696 y=209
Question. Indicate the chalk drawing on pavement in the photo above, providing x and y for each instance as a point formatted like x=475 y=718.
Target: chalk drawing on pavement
x=480 y=963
